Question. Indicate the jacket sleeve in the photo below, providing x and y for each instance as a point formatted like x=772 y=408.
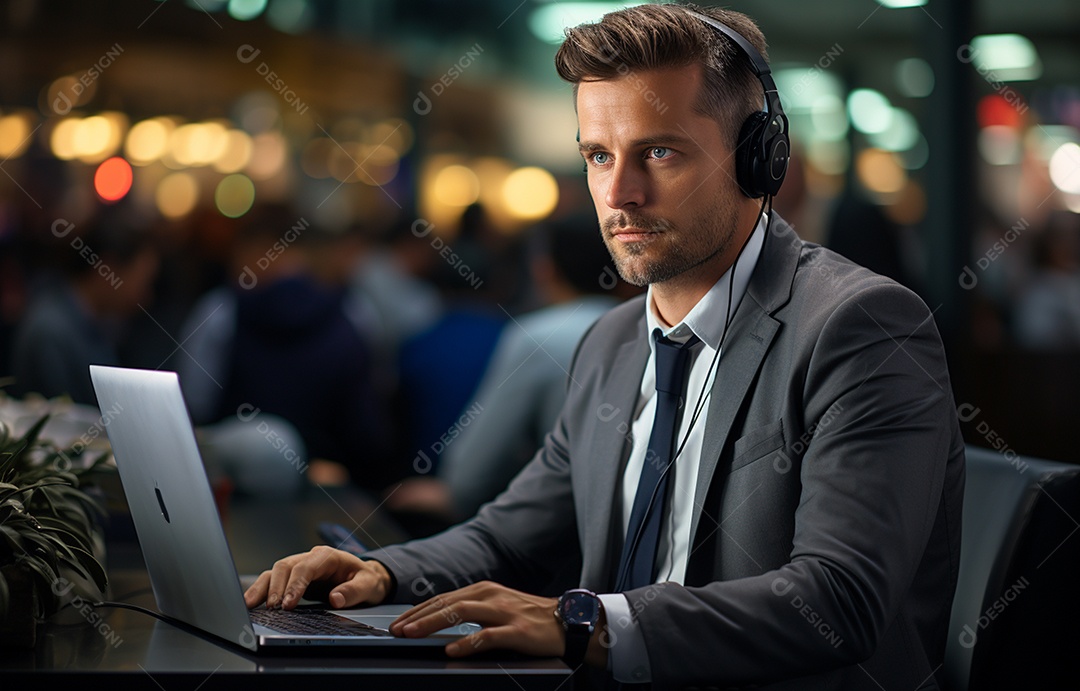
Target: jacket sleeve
x=523 y=539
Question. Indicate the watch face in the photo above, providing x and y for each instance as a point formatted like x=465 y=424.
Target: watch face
x=579 y=608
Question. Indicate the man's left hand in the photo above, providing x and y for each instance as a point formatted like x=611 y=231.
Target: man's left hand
x=512 y=620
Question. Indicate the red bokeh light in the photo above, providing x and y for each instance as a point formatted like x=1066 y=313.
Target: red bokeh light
x=113 y=179
x=995 y=110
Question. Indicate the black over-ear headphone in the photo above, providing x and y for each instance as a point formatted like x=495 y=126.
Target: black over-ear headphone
x=761 y=158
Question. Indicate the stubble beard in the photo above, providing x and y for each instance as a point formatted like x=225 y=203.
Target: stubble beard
x=675 y=251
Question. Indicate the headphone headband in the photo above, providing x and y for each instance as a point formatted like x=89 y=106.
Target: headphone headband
x=758 y=64
x=763 y=153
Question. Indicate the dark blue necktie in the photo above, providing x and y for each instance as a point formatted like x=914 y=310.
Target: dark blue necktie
x=637 y=567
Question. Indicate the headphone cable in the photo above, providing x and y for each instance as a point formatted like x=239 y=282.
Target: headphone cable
x=705 y=393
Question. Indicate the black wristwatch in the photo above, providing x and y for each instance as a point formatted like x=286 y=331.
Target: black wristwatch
x=578 y=611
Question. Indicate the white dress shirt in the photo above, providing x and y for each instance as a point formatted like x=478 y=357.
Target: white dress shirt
x=627 y=657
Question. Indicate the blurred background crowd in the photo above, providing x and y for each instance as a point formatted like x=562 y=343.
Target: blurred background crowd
x=360 y=232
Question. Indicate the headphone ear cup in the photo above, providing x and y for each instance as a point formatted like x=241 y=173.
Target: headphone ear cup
x=750 y=171
x=776 y=154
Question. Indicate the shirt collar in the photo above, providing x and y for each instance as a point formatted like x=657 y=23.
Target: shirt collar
x=702 y=319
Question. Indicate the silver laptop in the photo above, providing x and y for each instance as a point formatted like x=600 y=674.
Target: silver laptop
x=191 y=568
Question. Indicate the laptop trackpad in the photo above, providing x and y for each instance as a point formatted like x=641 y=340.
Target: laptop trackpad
x=380 y=616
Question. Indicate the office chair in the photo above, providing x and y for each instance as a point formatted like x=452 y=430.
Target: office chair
x=1016 y=614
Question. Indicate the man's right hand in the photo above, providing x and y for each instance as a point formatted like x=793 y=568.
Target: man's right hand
x=355 y=581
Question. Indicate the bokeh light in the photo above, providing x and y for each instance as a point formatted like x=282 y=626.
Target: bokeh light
x=234 y=195
x=198 y=144
x=380 y=165
x=62 y=139
x=148 y=141
x=112 y=180
x=1000 y=145
x=269 y=154
x=176 y=195
x=530 y=193
x=879 y=171
x=245 y=10
x=869 y=110
x=456 y=185
x=290 y=16
x=236 y=154
x=394 y=133
x=15 y=131
x=995 y=110
x=97 y=137
x=914 y=78
x=1065 y=168
x=901 y=134
x=829 y=156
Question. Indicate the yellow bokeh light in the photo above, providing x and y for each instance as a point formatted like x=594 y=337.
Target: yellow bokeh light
x=92 y=137
x=879 y=171
x=176 y=195
x=344 y=161
x=66 y=93
x=100 y=136
x=148 y=141
x=235 y=195
x=378 y=175
x=456 y=185
x=237 y=152
x=394 y=133
x=530 y=194
x=62 y=141
x=269 y=153
x=14 y=135
x=198 y=143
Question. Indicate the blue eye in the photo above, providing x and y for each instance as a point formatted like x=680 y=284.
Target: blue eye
x=660 y=152
x=598 y=158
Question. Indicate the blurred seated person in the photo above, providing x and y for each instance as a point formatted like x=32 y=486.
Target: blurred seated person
x=276 y=341
x=387 y=293
x=1048 y=311
x=440 y=368
x=524 y=386
x=861 y=231
x=75 y=317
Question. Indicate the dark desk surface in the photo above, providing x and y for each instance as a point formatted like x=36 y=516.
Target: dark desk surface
x=134 y=650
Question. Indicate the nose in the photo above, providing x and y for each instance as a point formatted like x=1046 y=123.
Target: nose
x=626 y=186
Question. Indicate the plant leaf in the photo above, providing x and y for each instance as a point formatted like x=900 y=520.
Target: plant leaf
x=4 y=597
x=45 y=578
x=71 y=539
x=91 y=565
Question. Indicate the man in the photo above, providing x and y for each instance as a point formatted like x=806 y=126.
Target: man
x=76 y=318
x=811 y=529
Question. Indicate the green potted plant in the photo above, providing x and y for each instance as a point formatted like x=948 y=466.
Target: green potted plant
x=47 y=528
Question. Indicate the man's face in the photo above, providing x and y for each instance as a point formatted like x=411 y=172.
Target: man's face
x=660 y=174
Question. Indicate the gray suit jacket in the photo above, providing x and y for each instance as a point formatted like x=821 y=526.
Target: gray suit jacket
x=827 y=532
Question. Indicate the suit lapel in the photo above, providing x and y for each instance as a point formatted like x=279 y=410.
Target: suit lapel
x=611 y=440
x=746 y=347
x=752 y=332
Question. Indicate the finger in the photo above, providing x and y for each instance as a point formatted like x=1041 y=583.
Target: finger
x=255 y=595
x=314 y=565
x=438 y=602
x=279 y=578
x=484 y=613
x=425 y=609
x=355 y=591
x=484 y=639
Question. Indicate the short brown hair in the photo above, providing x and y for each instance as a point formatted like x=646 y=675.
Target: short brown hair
x=650 y=37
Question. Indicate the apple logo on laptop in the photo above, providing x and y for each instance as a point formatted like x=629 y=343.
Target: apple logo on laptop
x=161 y=503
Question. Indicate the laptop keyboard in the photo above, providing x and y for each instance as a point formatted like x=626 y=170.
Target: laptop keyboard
x=313 y=622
